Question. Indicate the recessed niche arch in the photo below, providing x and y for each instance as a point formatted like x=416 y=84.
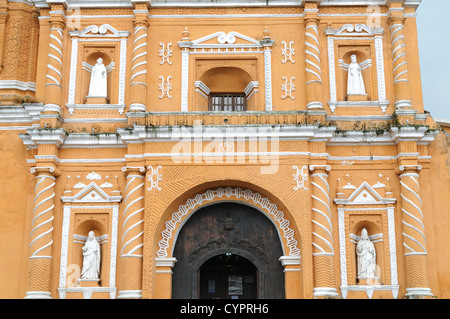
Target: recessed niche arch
x=364 y=60
x=92 y=55
x=376 y=237
x=238 y=77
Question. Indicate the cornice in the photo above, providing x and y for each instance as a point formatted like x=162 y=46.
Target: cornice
x=216 y=3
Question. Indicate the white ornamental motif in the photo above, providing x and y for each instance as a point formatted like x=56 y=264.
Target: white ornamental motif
x=303 y=173
x=288 y=52
x=226 y=38
x=154 y=177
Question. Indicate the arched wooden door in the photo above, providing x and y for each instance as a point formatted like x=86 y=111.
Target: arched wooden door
x=228 y=250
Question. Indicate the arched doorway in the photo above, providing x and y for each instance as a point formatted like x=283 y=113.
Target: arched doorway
x=222 y=236
x=228 y=276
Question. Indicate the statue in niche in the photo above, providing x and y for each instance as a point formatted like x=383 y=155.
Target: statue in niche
x=365 y=252
x=355 y=84
x=98 y=84
x=91 y=258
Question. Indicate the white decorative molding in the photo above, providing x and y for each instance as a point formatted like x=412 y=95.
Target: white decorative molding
x=192 y=204
x=227 y=44
x=268 y=78
x=287 y=52
x=184 y=80
x=203 y=89
x=364 y=33
x=370 y=202
x=165 y=86
x=303 y=174
x=288 y=87
x=104 y=32
x=251 y=88
x=154 y=177
x=93 y=176
x=165 y=53
x=99 y=200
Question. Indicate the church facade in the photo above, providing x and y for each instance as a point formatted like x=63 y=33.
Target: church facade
x=219 y=149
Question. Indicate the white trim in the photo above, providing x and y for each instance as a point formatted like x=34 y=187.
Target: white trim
x=357 y=32
x=17 y=85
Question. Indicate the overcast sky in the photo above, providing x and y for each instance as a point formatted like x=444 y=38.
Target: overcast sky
x=434 y=46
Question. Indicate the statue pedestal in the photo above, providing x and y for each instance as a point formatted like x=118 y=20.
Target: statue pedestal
x=373 y=281
x=96 y=100
x=356 y=97
x=89 y=282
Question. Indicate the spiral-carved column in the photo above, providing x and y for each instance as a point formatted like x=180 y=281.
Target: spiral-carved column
x=53 y=87
x=39 y=266
x=322 y=237
x=400 y=64
x=133 y=233
x=139 y=67
x=414 y=239
x=313 y=65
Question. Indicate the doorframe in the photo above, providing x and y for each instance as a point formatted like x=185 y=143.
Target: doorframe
x=205 y=257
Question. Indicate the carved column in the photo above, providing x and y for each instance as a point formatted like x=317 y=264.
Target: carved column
x=414 y=239
x=53 y=87
x=313 y=63
x=322 y=233
x=133 y=233
x=139 y=62
x=267 y=43
x=39 y=266
x=400 y=64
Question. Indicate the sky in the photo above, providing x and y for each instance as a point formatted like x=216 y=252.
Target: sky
x=434 y=50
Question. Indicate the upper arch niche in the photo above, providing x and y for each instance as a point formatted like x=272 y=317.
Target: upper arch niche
x=226 y=79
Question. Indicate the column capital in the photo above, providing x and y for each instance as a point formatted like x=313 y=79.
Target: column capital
x=326 y=168
x=134 y=170
x=45 y=170
x=404 y=169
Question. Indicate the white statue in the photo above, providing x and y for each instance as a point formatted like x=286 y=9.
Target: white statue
x=98 y=85
x=91 y=258
x=365 y=251
x=355 y=85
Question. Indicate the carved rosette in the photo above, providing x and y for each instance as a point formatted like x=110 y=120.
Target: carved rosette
x=414 y=239
x=41 y=241
x=323 y=252
x=139 y=68
x=133 y=232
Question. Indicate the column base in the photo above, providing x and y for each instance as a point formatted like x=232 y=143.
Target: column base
x=38 y=295
x=130 y=294
x=418 y=293
x=325 y=292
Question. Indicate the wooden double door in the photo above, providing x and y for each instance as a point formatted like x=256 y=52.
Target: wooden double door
x=228 y=251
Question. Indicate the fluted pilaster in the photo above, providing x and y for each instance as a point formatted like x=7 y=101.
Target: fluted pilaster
x=322 y=233
x=414 y=238
x=133 y=233
x=400 y=64
x=39 y=267
x=139 y=67
x=53 y=89
x=313 y=65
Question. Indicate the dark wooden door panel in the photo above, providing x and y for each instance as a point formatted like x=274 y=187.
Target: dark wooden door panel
x=228 y=228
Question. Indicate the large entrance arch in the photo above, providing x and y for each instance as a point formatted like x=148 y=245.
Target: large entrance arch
x=222 y=242
x=174 y=222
